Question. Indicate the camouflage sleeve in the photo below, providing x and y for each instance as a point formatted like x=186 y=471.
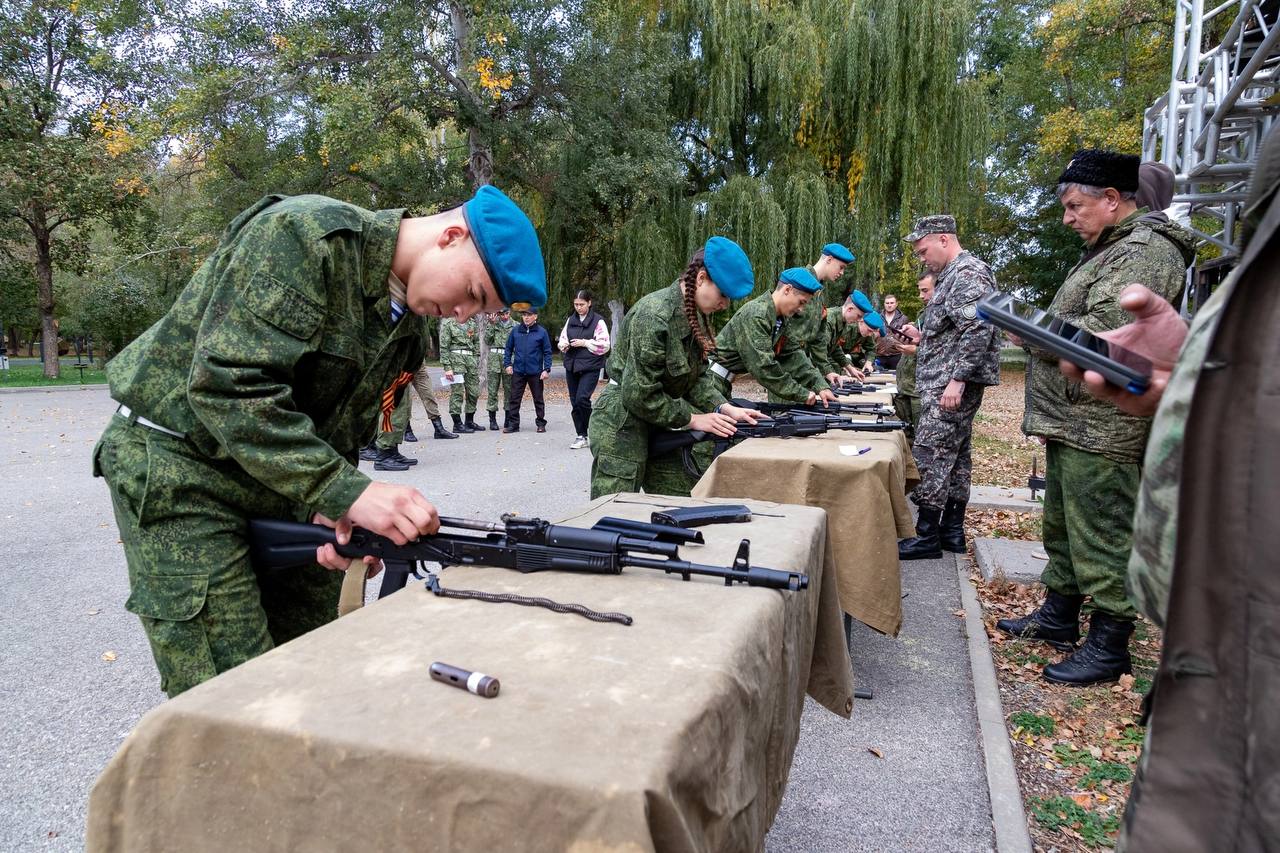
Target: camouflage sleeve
x=705 y=394
x=447 y=331
x=973 y=343
x=1159 y=267
x=767 y=368
x=265 y=314
x=835 y=352
x=643 y=394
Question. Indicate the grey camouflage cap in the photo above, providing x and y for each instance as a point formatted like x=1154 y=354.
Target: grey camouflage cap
x=940 y=223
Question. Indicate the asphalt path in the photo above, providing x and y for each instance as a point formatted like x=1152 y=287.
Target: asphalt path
x=76 y=674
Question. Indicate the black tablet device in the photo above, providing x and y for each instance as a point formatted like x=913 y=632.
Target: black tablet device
x=1119 y=366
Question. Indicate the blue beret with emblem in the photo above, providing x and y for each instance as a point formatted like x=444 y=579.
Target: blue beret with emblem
x=801 y=279
x=839 y=252
x=874 y=321
x=509 y=248
x=729 y=267
x=862 y=302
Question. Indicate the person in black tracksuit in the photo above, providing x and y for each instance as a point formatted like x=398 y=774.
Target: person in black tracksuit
x=584 y=340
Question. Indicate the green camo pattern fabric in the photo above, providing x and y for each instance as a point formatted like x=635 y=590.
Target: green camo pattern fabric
x=1138 y=249
x=460 y=352
x=1155 y=524
x=275 y=355
x=663 y=381
x=955 y=343
x=746 y=346
x=498 y=388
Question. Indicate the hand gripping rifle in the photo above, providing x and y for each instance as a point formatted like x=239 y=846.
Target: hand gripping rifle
x=789 y=425
x=523 y=544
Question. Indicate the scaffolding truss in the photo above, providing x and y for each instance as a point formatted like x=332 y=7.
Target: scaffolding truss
x=1221 y=102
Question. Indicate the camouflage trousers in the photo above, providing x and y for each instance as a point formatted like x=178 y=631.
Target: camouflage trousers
x=464 y=397
x=404 y=409
x=620 y=453
x=942 y=446
x=1088 y=526
x=183 y=522
x=498 y=391
x=907 y=408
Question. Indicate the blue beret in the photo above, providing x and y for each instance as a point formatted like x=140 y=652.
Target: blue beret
x=840 y=253
x=864 y=304
x=875 y=321
x=508 y=245
x=800 y=278
x=728 y=267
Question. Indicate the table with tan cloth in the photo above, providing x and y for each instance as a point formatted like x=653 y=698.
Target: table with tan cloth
x=864 y=496
x=675 y=733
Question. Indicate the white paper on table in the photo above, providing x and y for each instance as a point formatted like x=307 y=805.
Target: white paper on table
x=445 y=381
x=853 y=450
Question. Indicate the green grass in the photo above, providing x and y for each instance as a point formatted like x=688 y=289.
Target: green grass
x=1054 y=813
x=1095 y=771
x=1032 y=724
x=29 y=375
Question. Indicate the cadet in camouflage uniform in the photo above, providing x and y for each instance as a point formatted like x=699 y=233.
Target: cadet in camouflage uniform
x=957 y=358
x=814 y=328
x=757 y=341
x=1093 y=449
x=658 y=376
x=499 y=385
x=460 y=353
x=906 y=403
x=252 y=395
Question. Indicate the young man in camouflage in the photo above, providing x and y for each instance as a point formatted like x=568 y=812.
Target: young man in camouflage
x=1093 y=449
x=460 y=354
x=906 y=403
x=814 y=328
x=251 y=397
x=757 y=341
x=498 y=389
x=957 y=358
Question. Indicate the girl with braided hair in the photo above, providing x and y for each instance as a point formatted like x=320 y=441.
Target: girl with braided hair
x=658 y=376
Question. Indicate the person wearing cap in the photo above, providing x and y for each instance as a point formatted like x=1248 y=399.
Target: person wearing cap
x=658 y=376
x=498 y=388
x=957 y=358
x=527 y=360
x=906 y=402
x=251 y=397
x=814 y=328
x=1093 y=450
x=757 y=341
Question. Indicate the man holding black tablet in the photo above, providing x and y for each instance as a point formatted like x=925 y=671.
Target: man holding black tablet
x=1093 y=450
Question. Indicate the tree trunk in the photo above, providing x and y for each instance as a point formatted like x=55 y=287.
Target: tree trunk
x=12 y=345
x=616 y=312
x=44 y=293
x=480 y=155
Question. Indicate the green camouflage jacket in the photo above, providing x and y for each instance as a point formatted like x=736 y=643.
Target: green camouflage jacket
x=954 y=343
x=1149 y=251
x=659 y=366
x=757 y=341
x=275 y=355
x=906 y=375
x=495 y=337
x=458 y=341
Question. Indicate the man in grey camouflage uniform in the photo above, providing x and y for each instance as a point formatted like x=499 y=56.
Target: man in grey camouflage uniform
x=1093 y=450
x=460 y=354
x=251 y=397
x=957 y=358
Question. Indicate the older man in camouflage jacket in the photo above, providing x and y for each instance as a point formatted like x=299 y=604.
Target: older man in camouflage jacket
x=957 y=358
x=1093 y=449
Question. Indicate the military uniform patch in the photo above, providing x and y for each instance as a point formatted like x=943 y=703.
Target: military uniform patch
x=970 y=311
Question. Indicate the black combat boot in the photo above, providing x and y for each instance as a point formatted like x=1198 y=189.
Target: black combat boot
x=441 y=432
x=459 y=427
x=387 y=461
x=1104 y=657
x=400 y=457
x=408 y=433
x=951 y=533
x=493 y=421
x=471 y=422
x=1056 y=622
x=925 y=545
x=369 y=453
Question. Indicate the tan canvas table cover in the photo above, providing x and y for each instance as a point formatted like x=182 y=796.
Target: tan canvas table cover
x=675 y=733
x=865 y=500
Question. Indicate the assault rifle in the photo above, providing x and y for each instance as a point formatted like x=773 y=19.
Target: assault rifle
x=834 y=408
x=788 y=425
x=523 y=544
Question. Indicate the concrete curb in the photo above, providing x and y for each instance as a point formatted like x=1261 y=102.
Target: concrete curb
x=32 y=389
x=1007 y=815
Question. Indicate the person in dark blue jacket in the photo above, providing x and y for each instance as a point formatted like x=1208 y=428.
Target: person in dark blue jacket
x=528 y=359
